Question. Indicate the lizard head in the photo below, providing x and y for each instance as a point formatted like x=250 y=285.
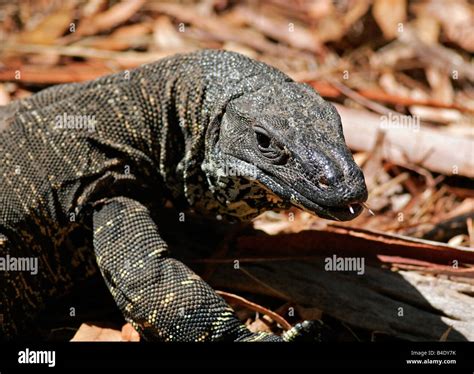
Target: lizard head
x=282 y=146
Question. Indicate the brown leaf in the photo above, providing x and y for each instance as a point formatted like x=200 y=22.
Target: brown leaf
x=457 y=20
x=427 y=29
x=91 y=333
x=129 y=334
x=388 y=14
x=50 y=28
x=92 y=7
x=125 y=37
x=259 y=325
x=281 y=29
x=4 y=95
x=440 y=82
x=52 y=75
x=166 y=35
x=112 y=17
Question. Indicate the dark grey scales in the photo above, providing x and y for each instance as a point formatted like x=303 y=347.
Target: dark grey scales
x=211 y=131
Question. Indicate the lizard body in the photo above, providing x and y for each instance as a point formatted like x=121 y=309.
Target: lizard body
x=87 y=165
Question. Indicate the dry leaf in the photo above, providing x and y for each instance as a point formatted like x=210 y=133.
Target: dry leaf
x=389 y=14
x=125 y=37
x=50 y=28
x=440 y=83
x=91 y=333
x=165 y=34
x=92 y=7
x=260 y=325
x=427 y=29
x=457 y=20
x=291 y=33
x=129 y=334
x=4 y=95
x=112 y=17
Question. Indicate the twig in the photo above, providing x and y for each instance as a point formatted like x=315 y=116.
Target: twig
x=381 y=96
x=357 y=97
x=220 y=30
x=392 y=182
x=230 y=297
x=79 y=51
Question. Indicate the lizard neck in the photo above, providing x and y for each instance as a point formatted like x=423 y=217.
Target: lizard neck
x=190 y=102
x=175 y=91
x=188 y=97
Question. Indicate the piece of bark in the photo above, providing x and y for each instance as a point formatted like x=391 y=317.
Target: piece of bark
x=416 y=307
x=291 y=268
x=351 y=241
x=431 y=148
x=405 y=304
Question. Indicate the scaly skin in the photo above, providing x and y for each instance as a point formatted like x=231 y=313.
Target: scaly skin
x=211 y=131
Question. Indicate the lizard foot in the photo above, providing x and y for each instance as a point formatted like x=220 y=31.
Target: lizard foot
x=307 y=331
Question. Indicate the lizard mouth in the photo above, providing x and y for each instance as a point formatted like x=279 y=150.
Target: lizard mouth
x=286 y=192
x=292 y=197
x=344 y=212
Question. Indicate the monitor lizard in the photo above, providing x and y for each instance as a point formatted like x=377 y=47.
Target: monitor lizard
x=86 y=166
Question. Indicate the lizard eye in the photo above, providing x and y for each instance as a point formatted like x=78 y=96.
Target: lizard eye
x=269 y=148
x=263 y=139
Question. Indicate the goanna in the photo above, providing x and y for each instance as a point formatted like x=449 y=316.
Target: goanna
x=86 y=167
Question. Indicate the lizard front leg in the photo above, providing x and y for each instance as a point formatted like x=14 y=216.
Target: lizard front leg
x=160 y=296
